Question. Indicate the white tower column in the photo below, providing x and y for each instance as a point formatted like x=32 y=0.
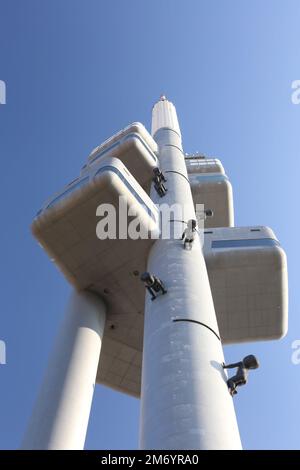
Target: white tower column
x=185 y=402
x=61 y=414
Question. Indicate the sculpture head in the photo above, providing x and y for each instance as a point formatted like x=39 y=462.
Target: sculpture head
x=192 y=224
x=251 y=362
x=147 y=278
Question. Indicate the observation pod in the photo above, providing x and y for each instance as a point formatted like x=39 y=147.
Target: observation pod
x=247 y=269
x=200 y=164
x=211 y=187
x=66 y=228
x=135 y=147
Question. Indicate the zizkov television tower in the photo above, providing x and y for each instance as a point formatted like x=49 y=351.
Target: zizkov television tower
x=186 y=407
x=168 y=350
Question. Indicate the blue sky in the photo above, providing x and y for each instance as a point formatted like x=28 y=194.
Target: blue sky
x=77 y=71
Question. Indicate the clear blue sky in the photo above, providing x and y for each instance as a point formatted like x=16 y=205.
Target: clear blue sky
x=79 y=70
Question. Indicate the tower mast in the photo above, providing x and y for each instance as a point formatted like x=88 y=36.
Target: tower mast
x=185 y=403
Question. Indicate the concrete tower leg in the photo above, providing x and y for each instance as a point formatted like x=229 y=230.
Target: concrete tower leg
x=61 y=414
x=185 y=403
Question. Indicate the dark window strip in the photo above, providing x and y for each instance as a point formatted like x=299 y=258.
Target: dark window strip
x=244 y=243
x=78 y=185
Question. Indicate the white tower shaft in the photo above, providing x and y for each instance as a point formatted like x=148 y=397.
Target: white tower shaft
x=185 y=403
x=60 y=417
